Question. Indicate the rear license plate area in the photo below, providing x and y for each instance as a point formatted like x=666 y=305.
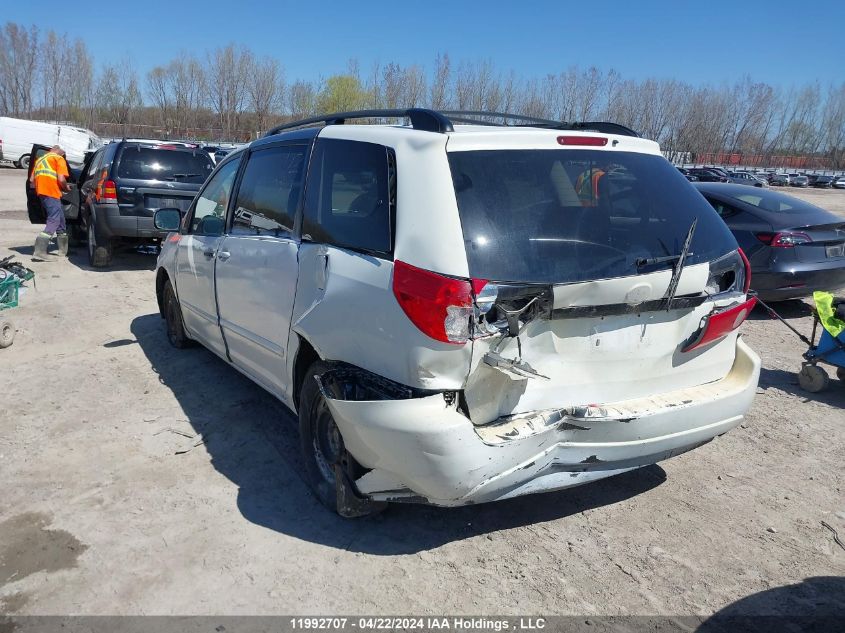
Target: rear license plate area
x=835 y=250
x=152 y=201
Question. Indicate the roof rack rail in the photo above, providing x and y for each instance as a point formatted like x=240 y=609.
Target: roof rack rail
x=605 y=127
x=441 y=120
x=421 y=119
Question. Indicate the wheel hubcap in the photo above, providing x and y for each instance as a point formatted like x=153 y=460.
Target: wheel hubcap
x=328 y=445
x=90 y=239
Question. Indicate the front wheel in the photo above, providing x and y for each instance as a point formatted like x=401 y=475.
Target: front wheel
x=23 y=162
x=840 y=373
x=329 y=468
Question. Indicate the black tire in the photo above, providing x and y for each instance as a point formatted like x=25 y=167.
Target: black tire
x=23 y=162
x=322 y=447
x=7 y=333
x=99 y=251
x=76 y=234
x=840 y=373
x=173 y=318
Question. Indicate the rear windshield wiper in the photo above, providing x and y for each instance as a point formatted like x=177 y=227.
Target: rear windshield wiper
x=679 y=266
x=652 y=261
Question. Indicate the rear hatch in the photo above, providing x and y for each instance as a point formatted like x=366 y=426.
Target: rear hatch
x=151 y=177
x=585 y=243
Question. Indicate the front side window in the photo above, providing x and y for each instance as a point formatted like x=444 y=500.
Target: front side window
x=351 y=195
x=270 y=191
x=562 y=216
x=210 y=208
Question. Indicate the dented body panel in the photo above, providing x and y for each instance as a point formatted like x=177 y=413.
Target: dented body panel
x=424 y=447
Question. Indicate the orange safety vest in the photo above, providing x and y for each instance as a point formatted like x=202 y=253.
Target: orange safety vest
x=45 y=175
x=587 y=186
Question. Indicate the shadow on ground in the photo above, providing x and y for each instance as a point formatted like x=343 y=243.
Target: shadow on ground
x=253 y=440
x=125 y=258
x=815 y=604
x=787 y=381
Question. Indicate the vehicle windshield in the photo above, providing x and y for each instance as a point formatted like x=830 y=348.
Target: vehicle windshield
x=175 y=165
x=775 y=202
x=560 y=216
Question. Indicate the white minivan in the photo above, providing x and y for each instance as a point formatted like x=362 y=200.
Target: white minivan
x=463 y=312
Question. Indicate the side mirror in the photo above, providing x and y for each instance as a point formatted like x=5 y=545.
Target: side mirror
x=167 y=219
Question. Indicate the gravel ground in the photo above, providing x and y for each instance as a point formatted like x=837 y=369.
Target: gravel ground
x=100 y=515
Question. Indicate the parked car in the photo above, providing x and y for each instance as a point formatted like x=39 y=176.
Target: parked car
x=799 y=181
x=462 y=315
x=839 y=183
x=744 y=178
x=122 y=185
x=794 y=247
x=19 y=135
x=779 y=180
x=688 y=175
x=823 y=182
x=707 y=174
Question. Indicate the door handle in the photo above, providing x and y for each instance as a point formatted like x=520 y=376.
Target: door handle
x=223 y=255
x=208 y=252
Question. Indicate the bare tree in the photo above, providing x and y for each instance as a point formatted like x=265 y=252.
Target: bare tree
x=265 y=86
x=18 y=62
x=226 y=76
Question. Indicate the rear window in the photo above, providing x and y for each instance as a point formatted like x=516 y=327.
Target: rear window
x=150 y=163
x=778 y=203
x=559 y=216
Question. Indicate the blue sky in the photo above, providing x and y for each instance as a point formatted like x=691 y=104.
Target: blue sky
x=703 y=42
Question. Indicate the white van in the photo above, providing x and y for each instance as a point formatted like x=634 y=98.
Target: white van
x=465 y=313
x=19 y=135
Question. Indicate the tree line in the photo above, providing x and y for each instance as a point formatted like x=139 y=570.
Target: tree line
x=231 y=94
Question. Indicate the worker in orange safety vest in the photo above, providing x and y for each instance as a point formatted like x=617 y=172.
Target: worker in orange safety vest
x=49 y=179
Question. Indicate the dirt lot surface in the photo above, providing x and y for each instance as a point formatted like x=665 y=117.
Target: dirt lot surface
x=111 y=503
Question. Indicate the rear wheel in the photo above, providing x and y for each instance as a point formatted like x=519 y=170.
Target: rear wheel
x=325 y=455
x=23 y=162
x=99 y=254
x=813 y=378
x=173 y=318
x=76 y=233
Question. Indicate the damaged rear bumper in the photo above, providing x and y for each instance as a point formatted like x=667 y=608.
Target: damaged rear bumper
x=423 y=449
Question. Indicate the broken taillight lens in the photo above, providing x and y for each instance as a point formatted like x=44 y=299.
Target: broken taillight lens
x=441 y=307
x=718 y=325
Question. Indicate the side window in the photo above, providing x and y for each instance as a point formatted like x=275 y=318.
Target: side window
x=93 y=166
x=724 y=210
x=209 y=216
x=351 y=195
x=270 y=191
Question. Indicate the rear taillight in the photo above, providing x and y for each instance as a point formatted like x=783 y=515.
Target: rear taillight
x=717 y=325
x=441 y=307
x=730 y=273
x=784 y=239
x=594 y=141
x=109 y=190
x=747 y=284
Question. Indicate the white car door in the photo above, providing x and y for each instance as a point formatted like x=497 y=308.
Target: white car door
x=257 y=264
x=197 y=256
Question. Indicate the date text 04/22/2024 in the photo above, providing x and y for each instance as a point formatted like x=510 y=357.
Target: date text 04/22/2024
x=432 y=623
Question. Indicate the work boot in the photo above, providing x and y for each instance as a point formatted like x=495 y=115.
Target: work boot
x=39 y=253
x=62 y=241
